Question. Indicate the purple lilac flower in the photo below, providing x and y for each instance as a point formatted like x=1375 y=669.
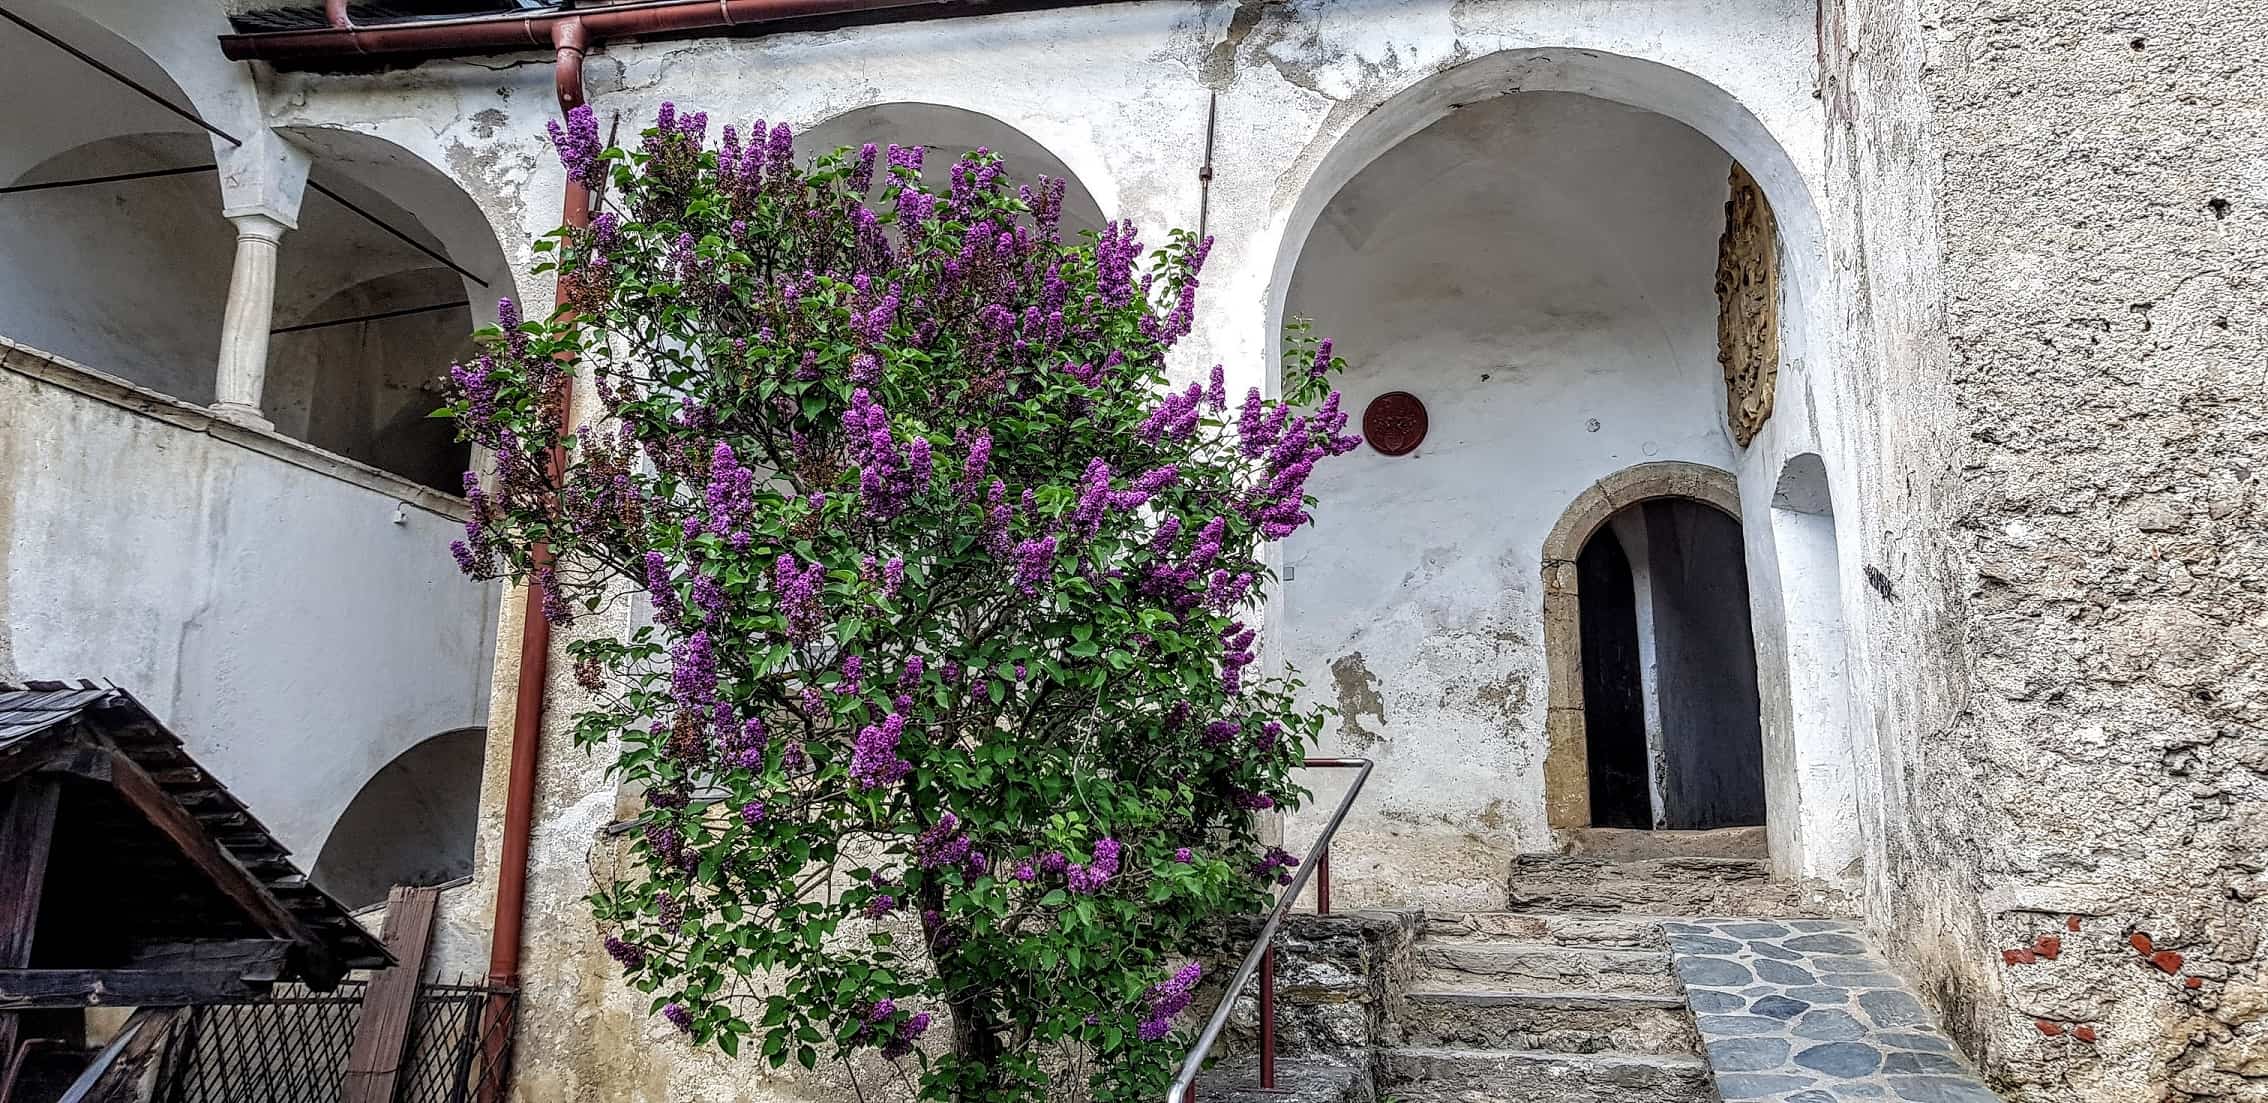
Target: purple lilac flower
x=1167 y=999
x=852 y=664
x=1093 y=875
x=1322 y=366
x=1035 y=563
x=752 y=813
x=880 y=905
x=908 y=1032
x=1216 y=390
x=678 y=1016
x=1183 y=855
x=578 y=144
x=874 y=759
x=631 y=958
x=862 y=172
x=798 y=590
x=693 y=672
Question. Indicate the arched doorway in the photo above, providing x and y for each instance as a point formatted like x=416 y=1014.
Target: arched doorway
x=1647 y=639
x=1672 y=738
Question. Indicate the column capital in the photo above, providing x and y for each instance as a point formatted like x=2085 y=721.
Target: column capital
x=265 y=176
x=259 y=225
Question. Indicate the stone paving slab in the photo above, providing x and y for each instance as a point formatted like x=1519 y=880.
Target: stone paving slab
x=1804 y=1011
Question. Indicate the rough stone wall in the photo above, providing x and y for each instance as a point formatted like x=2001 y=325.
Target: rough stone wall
x=2072 y=776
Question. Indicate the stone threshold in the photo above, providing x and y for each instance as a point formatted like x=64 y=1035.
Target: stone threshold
x=48 y=368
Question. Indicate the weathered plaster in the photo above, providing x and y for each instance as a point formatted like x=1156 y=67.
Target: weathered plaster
x=291 y=614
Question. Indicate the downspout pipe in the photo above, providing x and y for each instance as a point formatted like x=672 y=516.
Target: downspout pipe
x=533 y=30
x=569 y=40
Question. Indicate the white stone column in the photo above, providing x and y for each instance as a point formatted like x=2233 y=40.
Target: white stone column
x=244 y=327
x=262 y=182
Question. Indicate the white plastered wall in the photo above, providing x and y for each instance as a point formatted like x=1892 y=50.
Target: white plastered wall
x=1307 y=95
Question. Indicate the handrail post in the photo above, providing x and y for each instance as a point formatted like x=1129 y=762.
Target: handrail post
x=1263 y=954
x=1268 y=1019
x=1323 y=883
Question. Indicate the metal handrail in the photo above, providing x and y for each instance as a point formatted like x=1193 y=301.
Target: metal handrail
x=1318 y=855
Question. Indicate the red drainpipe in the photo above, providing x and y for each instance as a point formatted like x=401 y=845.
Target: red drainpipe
x=569 y=40
x=493 y=33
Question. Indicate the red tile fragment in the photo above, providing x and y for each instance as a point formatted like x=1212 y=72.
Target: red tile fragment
x=2049 y=947
x=2017 y=957
x=2166 y=961
x=2194 y=982
x=2140 y=942
x=2072 y=923
x=2050 y=1027
x=2084 y=1034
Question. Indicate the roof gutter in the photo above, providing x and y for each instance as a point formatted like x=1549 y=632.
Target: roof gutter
x=495 y=33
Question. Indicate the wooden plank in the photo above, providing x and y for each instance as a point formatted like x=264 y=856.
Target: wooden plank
x=116 y=1074
x=260 y=960
x=221 y=867
x=42 y=989
x=27 y=837
x=375 y=1059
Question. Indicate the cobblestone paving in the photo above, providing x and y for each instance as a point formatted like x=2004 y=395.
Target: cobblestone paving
x=1802 y=1011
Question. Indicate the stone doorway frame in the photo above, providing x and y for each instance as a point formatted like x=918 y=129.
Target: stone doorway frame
x=1567 y=765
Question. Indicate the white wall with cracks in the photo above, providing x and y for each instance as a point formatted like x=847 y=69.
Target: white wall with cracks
x=2015 y=242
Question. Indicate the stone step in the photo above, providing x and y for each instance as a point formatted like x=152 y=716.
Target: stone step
x=1567 y=929
x=1298 y=1080
x=1784 y=899
x=1546 y=966
x=1420 y=1074
x=1570 y=869
x=1566 y=1022
x=1622 y=844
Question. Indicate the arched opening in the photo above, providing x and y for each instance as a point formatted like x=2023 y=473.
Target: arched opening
x=1671 y=724
x=412 y=823
x=364 y=379
x=114 y=253
x=948 y=133
x=1821 y=784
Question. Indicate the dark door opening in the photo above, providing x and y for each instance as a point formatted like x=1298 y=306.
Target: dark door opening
x=1614 y=712
x=1669 y=671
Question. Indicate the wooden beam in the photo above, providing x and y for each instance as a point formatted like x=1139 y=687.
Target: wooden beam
x=259 y=960
x=44 y=989
x=375 y=1060
x=27 y=837
x=116 y=1074
x=221 y=867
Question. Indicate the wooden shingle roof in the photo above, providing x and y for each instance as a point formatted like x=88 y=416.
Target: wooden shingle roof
x=140 y=816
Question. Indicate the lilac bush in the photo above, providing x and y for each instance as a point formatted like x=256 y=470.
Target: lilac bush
x=944 y=721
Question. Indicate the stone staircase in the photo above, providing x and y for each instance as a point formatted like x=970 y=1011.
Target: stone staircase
x=1569 y=995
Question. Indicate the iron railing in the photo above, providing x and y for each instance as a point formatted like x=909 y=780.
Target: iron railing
x=293 y=1047
x=1262 y=957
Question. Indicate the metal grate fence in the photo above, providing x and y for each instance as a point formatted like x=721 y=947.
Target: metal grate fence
x=292 y=1047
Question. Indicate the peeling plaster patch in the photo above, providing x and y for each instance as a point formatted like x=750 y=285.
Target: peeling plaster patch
x=1357 y=689
x=487 y=123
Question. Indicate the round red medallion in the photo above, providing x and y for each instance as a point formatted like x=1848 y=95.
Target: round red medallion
x=1394 y=423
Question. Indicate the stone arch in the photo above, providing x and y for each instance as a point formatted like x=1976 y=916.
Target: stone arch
x=948 y=132
x=1648 y=85
x=411 y=193
x=1567 y=790
x=1812 y=770
x=412 y=823
x=129 y=277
